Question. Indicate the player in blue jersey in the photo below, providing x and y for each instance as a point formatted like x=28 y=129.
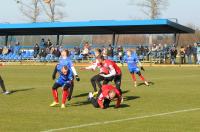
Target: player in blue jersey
x=65 y=61
x=65 y=81
x=133 y=62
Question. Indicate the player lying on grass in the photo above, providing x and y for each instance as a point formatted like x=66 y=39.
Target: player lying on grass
x=114 y=72
x=132 y=62
x=95 y=79
x=2 y=85
x=108 y=94
x=65 y=61
x=65 y=81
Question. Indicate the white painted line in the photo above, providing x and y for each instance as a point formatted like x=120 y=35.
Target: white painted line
x=121 y=120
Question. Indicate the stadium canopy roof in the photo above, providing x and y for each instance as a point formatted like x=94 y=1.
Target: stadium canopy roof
x=160 y=26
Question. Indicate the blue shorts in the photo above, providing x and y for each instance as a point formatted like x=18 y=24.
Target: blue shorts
x=64 y=83
x=134 y=70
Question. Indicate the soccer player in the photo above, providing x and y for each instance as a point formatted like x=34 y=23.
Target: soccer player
x=95 y=79
x=65 y=81
x=65 y=61
x=114 y=72
x=3 y=86
x=108 y=94
x=132 y=61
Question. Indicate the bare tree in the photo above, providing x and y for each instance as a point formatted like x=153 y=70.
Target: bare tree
x=153 y=8
x=53 y=9
x=30 y=9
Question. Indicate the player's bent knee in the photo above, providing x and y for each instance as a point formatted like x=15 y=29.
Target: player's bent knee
x=139 y=73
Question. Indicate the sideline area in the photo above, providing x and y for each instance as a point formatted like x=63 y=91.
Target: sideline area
x=89 y=63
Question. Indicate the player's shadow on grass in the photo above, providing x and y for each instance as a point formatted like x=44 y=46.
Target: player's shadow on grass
x=86 y=102
x=21 y=90
x=81 y=95
x=124 y=92
x=128 y=98
x=121 y=106
x=150 y=83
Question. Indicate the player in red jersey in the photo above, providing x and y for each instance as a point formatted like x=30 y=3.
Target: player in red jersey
x=114 y=72
x=95 y=79
x=108 y=94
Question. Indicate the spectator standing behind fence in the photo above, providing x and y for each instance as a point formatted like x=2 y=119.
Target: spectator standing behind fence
x=120 y=52
x=49 y=44
x=194 y=52
x=165 y=53
x=36 y=50
x=154 y=50
x=198 y=53
x=188 y=53
x=173 y=53
x=105 y=53
x=85 y=51
x=182 y=55
x=1 y=50
x=17 y=48
x=110 y=52
x=43 y=44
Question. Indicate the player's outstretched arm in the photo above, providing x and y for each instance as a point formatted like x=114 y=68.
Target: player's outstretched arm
x=75 y=73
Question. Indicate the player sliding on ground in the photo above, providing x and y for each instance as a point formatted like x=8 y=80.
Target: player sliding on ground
x=65 y=81
x=132 y=61
x=108 y=94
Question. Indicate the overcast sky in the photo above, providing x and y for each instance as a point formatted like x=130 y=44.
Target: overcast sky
x=187 y=11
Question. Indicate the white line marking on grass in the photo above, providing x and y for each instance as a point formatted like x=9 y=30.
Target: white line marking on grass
x=120 y=120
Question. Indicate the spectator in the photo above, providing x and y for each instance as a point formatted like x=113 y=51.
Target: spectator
x=77 y=50
x=188 y=53
x=194 y=52
x=5 y=51
x=85 y=51
x=1 y=50
x=110 y=52
x=16 y=49
x=43 y=44
x=43 y=53
x=105 y=53
x=173 y=53
x=49 y=44
x=56 y=53
x=36 y=50
x=198 y=53
x=165 y=53
x=120 y=52
x=182 y=55
x=154 y=50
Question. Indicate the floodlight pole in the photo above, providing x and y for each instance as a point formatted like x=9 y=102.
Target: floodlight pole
x=58 y=40
x=113 y=40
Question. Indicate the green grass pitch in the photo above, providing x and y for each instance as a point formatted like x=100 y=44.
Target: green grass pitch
x=172 y=89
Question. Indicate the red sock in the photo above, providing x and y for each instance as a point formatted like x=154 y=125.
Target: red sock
x=133 y=77
x=142 y=78
x=64 y=95
x=55 y=95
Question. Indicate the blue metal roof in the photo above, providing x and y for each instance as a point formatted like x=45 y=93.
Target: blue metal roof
x=159 y=26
